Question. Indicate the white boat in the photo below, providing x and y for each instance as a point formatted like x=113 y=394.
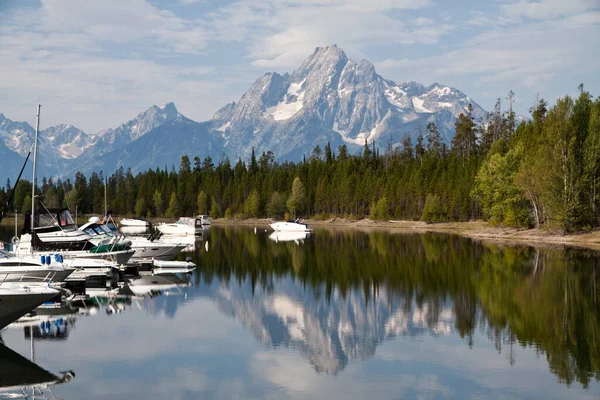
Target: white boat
x=144 y=247
x=116 y=253
x=56 y=230
x=183 y=226
x=134 y=230
x=33 y=270
x=18 y=299
x=137 y=222
x=290 y=226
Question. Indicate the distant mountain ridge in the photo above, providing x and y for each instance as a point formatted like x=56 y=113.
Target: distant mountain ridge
x=329 y=98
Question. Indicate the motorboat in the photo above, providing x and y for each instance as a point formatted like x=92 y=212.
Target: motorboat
x=149 y=248
x=289 y=236
x=135 y=222
x=183 y=226
x=114 y=252
x=290 y=226
x=33 y=270
x=17 y=299
x=134 y=230
x=56 y=230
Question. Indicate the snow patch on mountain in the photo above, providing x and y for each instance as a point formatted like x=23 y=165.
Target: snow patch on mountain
x=290 y=105
x=418 y=104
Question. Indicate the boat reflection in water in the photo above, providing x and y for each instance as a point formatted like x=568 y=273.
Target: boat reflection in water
x=289 y=236
x=153 y=285
x=21 y=378
x=191 y=241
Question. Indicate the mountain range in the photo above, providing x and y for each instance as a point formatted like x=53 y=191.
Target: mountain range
x=329 y=98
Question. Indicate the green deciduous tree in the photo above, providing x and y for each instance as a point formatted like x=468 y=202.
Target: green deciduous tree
x=173 y=209
x=434 y=210
x=295 y=202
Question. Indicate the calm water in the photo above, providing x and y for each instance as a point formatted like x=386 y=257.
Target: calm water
x=342 y=314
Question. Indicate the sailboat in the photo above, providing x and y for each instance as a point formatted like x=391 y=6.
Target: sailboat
x=60 y=233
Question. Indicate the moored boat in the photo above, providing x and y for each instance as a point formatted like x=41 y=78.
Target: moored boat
x=17 y=299
x=290 y=226
x=183 y=226
x=136 y=221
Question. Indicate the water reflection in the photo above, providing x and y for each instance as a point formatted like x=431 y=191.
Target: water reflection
x=341 y=294
x=192 y=242
x=346 y=314
x=21 y=378
x=296 y=237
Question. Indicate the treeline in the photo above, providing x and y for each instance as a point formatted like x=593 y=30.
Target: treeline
x=542 y=172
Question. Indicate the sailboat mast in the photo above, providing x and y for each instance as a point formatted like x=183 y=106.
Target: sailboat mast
x=105 y=183
x=37 y=128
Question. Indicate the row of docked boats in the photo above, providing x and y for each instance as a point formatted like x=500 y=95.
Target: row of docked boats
x=55 y=319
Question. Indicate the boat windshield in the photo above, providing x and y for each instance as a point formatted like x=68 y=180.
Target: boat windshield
x=65 y=218
x=90 y=231
x=104 y=229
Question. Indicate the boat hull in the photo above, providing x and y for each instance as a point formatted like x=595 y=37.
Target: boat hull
x=289 y=227
x=34 y=275
x=129 y=222
x=179 y=229
x=16 y=301
x=156 y=251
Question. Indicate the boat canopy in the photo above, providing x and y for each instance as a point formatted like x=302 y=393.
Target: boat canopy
x=55 y=218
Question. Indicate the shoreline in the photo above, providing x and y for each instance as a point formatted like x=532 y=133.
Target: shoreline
x=478 y=230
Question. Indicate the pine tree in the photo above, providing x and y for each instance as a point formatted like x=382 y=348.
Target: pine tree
x=434 y=140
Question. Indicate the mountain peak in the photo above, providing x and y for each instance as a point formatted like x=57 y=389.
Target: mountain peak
x=169 y=108
x=323 y=58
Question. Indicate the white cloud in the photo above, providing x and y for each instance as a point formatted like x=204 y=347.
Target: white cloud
x=547 y=9
x=100 y=63
x=281 y=35
x=527 y=55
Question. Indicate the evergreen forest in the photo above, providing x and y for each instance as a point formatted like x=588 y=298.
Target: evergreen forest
x=540 y=172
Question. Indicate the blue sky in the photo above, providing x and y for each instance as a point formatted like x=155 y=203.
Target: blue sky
x=96 y=64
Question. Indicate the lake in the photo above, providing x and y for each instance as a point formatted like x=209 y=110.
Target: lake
x=339 y=314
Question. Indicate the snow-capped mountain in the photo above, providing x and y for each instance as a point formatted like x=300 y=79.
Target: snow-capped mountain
x=68 y=141
x=64 y=149
x=332 y=98
x=329 y=98
x=115 y=140
x=56 y=143
x=161 y=147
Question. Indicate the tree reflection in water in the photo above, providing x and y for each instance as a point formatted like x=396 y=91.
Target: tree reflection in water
x=544 y=298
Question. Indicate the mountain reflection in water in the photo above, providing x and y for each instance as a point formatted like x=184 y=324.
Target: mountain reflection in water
x=341 y=293
x=388 y=314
